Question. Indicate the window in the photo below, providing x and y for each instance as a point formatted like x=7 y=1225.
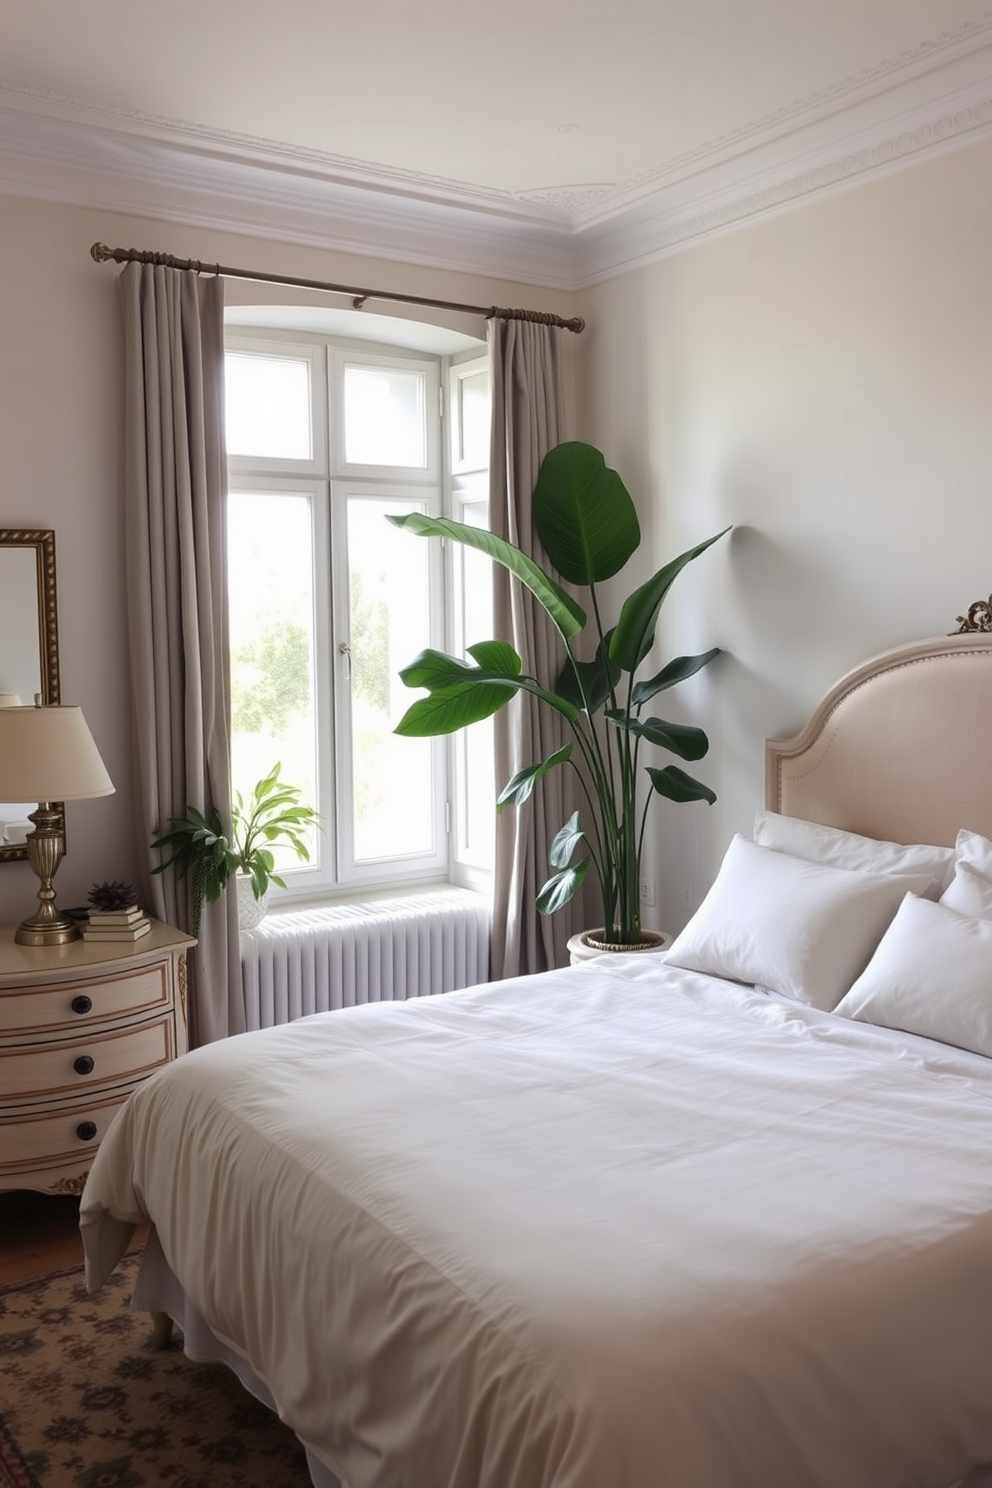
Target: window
x=328 y=600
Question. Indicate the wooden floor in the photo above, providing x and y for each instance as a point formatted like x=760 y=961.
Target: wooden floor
x=38 y=1233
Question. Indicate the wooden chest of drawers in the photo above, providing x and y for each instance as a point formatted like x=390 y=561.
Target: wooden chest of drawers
x=80 y=1026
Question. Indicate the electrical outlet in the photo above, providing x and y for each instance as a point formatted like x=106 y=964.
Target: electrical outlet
x=647 y=892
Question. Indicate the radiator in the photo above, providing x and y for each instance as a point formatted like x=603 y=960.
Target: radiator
x=314 y=960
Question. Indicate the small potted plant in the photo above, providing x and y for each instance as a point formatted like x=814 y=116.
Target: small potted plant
x=587 y=524
x=202 y=851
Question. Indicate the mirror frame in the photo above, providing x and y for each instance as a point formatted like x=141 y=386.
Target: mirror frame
x=42 y=540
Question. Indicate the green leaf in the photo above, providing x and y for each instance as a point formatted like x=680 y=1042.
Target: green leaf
x=634 y=634
x=676 y=671
x=687 y=742
x=461 y=694
x=519 y=789
x=564 y=611
x=565 y=841
x=450 y=708
x=583 y=514
x=597 y=678
x=496 y=656
x=434 y=669
x=678 y=786
x=561 y=888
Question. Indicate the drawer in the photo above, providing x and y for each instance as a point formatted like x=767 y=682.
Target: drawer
x=62 y=1137
x=83 y=1000
x=52 y=1071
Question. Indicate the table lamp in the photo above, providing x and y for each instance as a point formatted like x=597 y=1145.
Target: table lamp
x=47 y=754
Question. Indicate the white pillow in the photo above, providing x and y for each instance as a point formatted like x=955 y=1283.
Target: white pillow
x=819 y=844
x=973 y=848
x=931 y=974
x=801 y=928
x=969 y=892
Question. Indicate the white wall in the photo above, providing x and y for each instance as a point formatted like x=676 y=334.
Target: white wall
x=61 y=438
x=822 y=381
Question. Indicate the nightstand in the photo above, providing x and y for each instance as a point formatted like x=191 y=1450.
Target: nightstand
x=80 y=1026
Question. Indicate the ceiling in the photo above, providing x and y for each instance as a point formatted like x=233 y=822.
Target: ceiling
x=553 y=141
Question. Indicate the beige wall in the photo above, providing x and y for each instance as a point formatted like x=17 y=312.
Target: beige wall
x=823 y=381
x=61 y=443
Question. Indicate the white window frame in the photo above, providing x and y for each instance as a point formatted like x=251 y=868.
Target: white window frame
x=458 y=375
x=306 y=878
x=419 y=865
x=468 y=485
x=328 y=480
x=296 y=351
x=339 y=359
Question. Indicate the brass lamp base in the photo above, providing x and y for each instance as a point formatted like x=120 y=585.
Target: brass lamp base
x=40 y=931
x=46 y=927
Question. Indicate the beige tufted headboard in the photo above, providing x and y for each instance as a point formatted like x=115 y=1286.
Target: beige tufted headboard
x=900 y=748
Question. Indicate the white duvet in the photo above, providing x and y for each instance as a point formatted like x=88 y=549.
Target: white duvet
x=620 y=1226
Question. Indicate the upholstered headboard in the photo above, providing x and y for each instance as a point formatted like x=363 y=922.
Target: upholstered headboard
x=900 y=748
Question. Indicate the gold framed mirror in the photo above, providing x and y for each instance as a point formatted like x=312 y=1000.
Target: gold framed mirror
x=29 y=647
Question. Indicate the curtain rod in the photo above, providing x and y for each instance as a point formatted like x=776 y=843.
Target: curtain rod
x=102 y=254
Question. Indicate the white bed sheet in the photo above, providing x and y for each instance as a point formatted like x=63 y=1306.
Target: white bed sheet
x=619 y=1225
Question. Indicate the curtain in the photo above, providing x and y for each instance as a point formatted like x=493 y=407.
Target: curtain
x=528 y=420
x=175 y=483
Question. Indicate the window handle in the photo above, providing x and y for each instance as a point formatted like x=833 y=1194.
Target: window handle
x=345 y=650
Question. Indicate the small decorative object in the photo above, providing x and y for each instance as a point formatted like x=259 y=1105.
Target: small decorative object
x=112 y=895
x=114 y=913
x=587 y=523
x=979 y=617
x=209 y=857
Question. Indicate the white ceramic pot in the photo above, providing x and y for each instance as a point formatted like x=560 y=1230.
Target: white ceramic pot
x=585 y=946
x=251 y=911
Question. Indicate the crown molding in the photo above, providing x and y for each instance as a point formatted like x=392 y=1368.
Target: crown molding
x=873 y=137
x=564 y=237
x=119 y=171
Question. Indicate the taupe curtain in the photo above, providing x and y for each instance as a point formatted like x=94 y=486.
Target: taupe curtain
x=175 y=483
x=528 y=420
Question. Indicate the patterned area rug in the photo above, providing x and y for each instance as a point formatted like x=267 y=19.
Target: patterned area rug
x=86 y=1400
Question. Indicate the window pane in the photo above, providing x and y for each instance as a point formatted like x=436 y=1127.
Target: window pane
x=392 y=780
x=270 y=582
x=474 y=421
x=384 y=421
x=268 y=406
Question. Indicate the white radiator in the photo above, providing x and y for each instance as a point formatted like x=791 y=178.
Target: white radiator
x=314 y=960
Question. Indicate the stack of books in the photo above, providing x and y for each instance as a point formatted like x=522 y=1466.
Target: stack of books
x=116 y=924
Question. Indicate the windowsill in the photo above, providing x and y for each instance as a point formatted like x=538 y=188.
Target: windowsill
x=397 y=893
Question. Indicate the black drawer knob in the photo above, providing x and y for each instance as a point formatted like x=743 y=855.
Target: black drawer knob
x=82 y=1004
x=83 y=1065
x=86 y=1131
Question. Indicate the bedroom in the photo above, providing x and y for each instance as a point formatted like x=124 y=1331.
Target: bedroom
x=819 y=377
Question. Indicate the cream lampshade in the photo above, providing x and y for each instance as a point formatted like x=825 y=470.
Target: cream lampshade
x=47 y=754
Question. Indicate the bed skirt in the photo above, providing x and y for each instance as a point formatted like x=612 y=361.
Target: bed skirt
x=157 y=1290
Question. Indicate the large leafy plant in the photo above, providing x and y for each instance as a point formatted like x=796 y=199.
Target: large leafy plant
x=203 y=851
x=587 y=524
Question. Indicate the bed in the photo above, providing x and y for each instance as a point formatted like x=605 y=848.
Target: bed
x=717 y=1219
